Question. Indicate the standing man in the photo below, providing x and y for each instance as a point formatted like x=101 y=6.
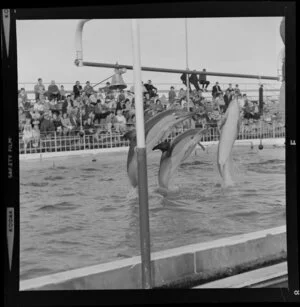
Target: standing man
x=88 y=89
x=172 y=95
x=77 y=89
x=39 y=89
x=203 y=81
x=216 y=90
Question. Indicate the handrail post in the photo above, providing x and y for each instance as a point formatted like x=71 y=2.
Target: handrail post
x=55 y=145
x=274 y=134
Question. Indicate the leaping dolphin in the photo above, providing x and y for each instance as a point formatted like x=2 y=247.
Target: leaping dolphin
x=156 y=128
x=175 y=152
x=230 y=126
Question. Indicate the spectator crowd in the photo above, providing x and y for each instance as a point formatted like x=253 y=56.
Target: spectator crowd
x=88 y=111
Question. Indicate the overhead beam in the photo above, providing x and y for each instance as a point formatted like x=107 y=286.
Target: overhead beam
x=174 y=71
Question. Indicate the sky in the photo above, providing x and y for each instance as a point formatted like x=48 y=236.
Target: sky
x=46 y=48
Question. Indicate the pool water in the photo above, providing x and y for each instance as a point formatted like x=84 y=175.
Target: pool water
x=80 y=210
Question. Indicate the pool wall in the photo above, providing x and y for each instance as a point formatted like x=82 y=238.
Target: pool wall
x=33 y=156
x=202 y=261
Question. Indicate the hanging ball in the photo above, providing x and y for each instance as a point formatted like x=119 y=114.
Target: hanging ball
x=260 y=146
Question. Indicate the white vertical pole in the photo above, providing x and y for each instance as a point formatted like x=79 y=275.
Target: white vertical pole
x=141 y=160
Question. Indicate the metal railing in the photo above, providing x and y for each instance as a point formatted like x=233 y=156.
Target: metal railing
x=54 y=142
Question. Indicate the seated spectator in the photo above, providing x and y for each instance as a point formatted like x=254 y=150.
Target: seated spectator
x=183 y=78
x=121 y=97
x=159 y=107
x=66 y=124
x=23 y=96
x=89 y=127
x=221 y=103
x=120 y=122
x=39 y=106
x=74 y=118
x=77 y=102
x=57 y=123
x=47 y=125
x=53 y=91
x=100 y=94
x=249 y=111
x=27 y=132
x=62 y=93
x=203 y=81
x=109 y=121
x=20 y=104
x=67 y=105
x=151 y=89
x=172 y=95
x=98 y=111
x=22 y=119
x=194 y=80
x=77 y=89
x=181 y=95
x=88 y=89
x=107 y=89
x=39 y=89
x=216 y=90
x=216 y=102
x=256 y=114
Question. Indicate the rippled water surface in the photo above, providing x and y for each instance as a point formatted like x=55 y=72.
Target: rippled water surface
x=77 y=212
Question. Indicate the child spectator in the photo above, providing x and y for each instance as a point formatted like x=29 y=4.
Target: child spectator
x=62 y=93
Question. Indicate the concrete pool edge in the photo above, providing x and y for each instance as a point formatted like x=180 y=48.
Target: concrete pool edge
x=45 y=155
x=196 y=260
